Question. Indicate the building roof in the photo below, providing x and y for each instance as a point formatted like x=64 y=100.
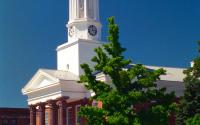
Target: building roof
x=172 y=74
x=172 y=81
x=50 y=84
x=47 y=77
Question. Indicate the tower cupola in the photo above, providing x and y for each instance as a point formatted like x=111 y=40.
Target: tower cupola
x=83 y=10
x=84 y=20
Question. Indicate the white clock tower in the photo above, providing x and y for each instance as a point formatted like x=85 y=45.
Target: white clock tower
x=84 y=34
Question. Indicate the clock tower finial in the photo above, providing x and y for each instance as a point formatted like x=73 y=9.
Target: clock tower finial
x=84 y=20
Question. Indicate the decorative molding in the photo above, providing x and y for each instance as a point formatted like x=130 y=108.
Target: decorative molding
x=67 y=45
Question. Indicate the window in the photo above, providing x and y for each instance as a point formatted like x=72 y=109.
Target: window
x=78 y=118
x=5 y=122
x=69 y=116
x=13 y=122
x=67 y=66
x=46 y=117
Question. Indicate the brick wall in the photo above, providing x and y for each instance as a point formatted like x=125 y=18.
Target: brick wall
x=11 y=116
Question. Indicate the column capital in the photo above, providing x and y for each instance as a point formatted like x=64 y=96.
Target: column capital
x=52 y=104
x=41 y=113
x=41 y=106
x=62 y=101
x=32 y=108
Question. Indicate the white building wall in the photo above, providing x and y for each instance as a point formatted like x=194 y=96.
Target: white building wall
x=71 y=55
x=86 y=52
x=67 y=58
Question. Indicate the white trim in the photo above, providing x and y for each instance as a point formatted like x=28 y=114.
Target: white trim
x=39 y=74
x=77 y=106
x=67 y=45
x=41 y=88
x=45 y=96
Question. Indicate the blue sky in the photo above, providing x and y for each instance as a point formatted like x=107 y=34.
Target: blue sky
x=155 y=32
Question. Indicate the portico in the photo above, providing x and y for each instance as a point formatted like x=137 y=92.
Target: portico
x=54 y=98
x=55 y=112
x=55 y=109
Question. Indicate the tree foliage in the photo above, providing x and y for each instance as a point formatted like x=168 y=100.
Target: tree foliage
x=131 y=87
x=190 y=103
x=194 y=120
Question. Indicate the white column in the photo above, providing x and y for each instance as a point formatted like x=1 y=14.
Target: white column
x=86 y=8
x=74 y=8
x=72 y=3
x=77 y=9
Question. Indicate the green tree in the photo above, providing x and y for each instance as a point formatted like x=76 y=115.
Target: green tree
x=190 y=103
x=194 y=120
x=130 y=87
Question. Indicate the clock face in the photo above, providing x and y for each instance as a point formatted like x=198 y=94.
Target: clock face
x=92 y=30
x=71 y=31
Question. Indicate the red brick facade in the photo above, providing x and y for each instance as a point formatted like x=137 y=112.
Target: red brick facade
x=14 y=116
x=57 y=112
x=62 y=113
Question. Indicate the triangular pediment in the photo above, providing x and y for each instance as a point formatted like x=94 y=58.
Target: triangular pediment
x=40 y=80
